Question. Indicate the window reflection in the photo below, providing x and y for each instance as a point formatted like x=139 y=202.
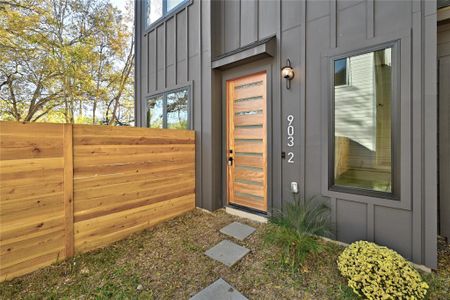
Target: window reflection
x=340 y=72
x=155 y=113
x=169 y=110
x=171 y=4
x=362 y=121
x=156 y=9
x=177 y=110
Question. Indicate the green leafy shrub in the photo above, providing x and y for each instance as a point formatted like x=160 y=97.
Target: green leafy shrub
x=378 y=272
x=294 y=229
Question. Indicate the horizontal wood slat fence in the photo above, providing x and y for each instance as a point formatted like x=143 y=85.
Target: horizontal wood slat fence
x=67 y=189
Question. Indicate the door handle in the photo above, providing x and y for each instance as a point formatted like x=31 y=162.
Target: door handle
x=230 y=161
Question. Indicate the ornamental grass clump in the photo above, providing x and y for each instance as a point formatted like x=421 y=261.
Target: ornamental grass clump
x=295 y=229
x=377 y=272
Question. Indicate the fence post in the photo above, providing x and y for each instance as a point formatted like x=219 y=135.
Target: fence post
x=68 y=189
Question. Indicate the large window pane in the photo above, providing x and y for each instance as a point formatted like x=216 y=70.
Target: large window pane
x=362 y=121
x=154 y=10
x=177 y=110
x=171 y=4
x=155 y=113
x=169 y=110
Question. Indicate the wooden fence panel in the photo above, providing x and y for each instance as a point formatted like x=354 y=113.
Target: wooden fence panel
x=127 y=180
x=67 y=189
x=32 y=229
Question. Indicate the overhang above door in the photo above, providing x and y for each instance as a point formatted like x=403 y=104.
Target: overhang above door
x=260 y=49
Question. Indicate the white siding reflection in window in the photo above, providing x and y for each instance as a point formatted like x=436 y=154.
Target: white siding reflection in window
x=355 y=111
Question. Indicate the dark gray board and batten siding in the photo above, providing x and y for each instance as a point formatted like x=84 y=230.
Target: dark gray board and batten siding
x=177 y=53
x=180 y=50
x=443 y=42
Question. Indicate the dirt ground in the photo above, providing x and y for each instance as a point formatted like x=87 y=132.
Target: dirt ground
x=168 y=262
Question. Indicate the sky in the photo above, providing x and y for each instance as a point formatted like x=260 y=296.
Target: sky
x=120 y=4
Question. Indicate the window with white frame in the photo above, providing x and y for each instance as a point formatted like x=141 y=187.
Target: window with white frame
x=341 y=70
x=155 y=10
x=169 y=110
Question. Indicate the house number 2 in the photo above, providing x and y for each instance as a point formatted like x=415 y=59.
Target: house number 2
x=290 y=138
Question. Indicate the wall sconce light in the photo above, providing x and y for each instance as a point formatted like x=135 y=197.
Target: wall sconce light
x=288 y=73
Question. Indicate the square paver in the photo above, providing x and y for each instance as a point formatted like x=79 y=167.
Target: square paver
x=227 y=252
x=238 y=230
x=219 y=290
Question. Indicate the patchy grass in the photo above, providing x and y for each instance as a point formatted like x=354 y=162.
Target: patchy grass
x=440 y=281
x=168 y=262
x=293 y=247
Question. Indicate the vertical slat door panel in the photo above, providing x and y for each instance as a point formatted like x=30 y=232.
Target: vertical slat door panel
x=247 y=141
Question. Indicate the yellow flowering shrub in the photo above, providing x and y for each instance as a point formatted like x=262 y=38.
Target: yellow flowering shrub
x=377 y=272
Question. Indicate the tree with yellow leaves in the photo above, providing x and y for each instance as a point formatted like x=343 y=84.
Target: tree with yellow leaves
x=65 y=61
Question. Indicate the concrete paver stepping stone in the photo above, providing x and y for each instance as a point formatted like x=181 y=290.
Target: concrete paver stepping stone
x=238 y=230
x=227 y=252
x=219 y=290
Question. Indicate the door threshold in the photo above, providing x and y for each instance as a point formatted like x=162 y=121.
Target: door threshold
x=254 y=216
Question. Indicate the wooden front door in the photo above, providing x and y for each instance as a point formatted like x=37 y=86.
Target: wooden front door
x=247 y=141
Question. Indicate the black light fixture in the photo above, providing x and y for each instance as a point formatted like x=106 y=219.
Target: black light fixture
x=288 y=73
